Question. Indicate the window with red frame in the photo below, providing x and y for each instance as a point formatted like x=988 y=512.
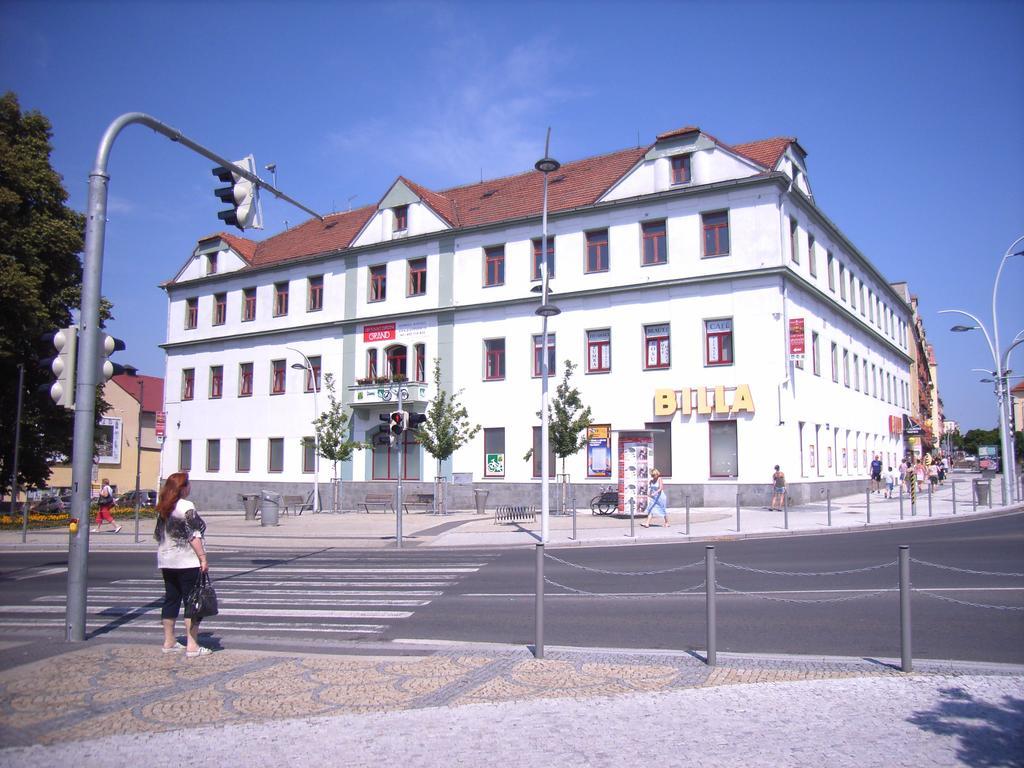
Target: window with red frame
x=597 y=251
x=245 y=380
x=216 y=381
x=494 y=359
x=313 y=374
x=830 y=268
x=681 y=169
x=656 y=347
x=371 y=363
x=494 y=265
x=417 y=277
x=718 y=342
x=220 y=308
x=315 y=297
x=248 y=304
x=716 y=233
x=191 y=313
x=599 y=351
x=812 y=263
x=378 y=282
x=277 y=377
x=188 y=383
x=550 y=256
x=655 y=243
x=794 y=241
x=538 y=345
x=420 y=356
x=401 y=222
x=280 y=299
x=397 y=358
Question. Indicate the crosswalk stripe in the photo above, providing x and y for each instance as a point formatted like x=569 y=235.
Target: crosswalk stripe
x=350 y=629
x=158 y=584
x=37 y=572
x=154 y=594
x=117 y=610
x=277 y=569
x=267 y=601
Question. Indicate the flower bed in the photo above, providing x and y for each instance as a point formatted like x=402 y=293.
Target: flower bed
x=62 y=520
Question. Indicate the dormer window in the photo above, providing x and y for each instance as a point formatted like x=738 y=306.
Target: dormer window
x=401 y=222
x=681 y=169
x=211 y=264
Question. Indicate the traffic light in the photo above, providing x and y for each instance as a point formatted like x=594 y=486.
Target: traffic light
x=65 y=341
x=108 y=346
x=399 y=421
x=240 y=194
x=416 y=419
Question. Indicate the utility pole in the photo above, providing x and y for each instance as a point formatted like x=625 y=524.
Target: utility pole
x=401 y=456
x=17 y=444
x=138 y=456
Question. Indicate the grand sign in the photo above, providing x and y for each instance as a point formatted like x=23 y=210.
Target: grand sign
x=704 y=401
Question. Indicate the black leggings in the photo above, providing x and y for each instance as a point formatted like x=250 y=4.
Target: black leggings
x=178 y=582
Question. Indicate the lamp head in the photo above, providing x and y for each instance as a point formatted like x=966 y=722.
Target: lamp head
x=298 y=366
x=547 y=310
x=547 y=165
x=963 y=328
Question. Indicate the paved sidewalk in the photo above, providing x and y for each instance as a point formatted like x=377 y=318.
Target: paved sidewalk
x=230 y=529
x=110 y=704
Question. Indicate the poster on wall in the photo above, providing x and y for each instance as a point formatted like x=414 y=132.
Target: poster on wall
x=599 y=451
x=495 y=465
x=108 y=440
x=634 y=473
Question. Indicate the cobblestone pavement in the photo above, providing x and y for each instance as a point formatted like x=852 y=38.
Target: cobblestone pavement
x=115 y=704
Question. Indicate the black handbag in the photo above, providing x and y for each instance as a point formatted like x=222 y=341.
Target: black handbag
x=202 y=600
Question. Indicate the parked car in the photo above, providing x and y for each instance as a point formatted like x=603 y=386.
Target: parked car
x=49 y=505
x=147 y=498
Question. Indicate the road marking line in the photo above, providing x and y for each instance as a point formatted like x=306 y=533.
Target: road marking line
x=232 y=626
x=117 y=610
x=721 y=592
x=40 y=572
x=221 y=590
x=277 y=569
x=261 y=600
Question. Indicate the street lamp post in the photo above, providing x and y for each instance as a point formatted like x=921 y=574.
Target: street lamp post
x=308 y=368
x=545 y=165
x=1001 y=373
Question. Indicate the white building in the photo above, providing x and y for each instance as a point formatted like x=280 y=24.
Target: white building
x=690 y=273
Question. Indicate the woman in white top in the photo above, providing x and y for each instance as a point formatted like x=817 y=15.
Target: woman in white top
x=181 y=557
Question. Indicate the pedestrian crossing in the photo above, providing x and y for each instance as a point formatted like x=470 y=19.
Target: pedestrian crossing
x=325 y=595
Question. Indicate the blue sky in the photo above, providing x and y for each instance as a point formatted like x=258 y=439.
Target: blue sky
x=912 y=115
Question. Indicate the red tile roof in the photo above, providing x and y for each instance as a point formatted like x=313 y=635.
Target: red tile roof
x=1018 y=391
x=575 y=184
x=152 y=390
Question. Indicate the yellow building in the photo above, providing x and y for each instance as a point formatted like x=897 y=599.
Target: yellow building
x=131 y=399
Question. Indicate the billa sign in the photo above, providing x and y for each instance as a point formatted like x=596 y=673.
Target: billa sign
x=796 y=336
x=704 y=401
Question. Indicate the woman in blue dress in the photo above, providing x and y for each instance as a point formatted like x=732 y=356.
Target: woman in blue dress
x=656 y=506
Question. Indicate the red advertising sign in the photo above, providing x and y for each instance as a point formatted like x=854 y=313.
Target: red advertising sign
x=379 y=332
x=796 y=336
x=161 y=422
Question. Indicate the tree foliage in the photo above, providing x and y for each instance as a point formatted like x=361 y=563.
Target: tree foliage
x=447 y=427
x=332 y=428
x=568 y=419
x=40 y=283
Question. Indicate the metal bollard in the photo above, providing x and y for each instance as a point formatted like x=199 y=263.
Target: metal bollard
x=538 y=618
x=709 y=590
x=953 y=484
x=785 y=511
x=868 y=497
x=828 y=506
x=574 y=518
x=737 y=511
x=901 y=501
x=632 y=519
x=687 y=515
x=929 y=498
x=906 y=661
x=990 y=493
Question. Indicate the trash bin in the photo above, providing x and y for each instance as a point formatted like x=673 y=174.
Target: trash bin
x=481 y=500
x=270 y=508
x=251 y=501
x=981 y=492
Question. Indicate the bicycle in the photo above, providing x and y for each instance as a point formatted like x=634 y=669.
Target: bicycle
x=606 y=502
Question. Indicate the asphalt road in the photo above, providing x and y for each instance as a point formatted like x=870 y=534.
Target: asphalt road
x=312 y=599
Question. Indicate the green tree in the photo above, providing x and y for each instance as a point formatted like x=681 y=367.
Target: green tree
x=447 y=427
x=40 y=283
x=333 y=429
x=568 y=419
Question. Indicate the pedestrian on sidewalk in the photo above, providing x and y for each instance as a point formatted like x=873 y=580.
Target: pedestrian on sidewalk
x=933 y=474
x=656 y=493
x=890 y=482
x=876 y=474
x=778 y=489
x=106 y=503
x=181 y=558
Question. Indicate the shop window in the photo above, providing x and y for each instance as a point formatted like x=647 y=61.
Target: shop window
x=184 y=455
x=245 y=380
x=716 y=233
x=494 y=359
x=248 y=304
x=656 y=343
x=191 y=313
x=655 y=243
x=494 y=452
x=280 y=299
x=550 y=258
x=315 y=294
x=724 y=449
x=275 y=454
x=188 y=383
x=494 y=265
x=277 y=377
x=417 y=277
x=220 y=308
x=216 y=382
x=243 y=454
x=661 y=432
x=718 y=346
x=537 y=458
x=599 y=351
x=597 y=251
x=378 y=282
x=213 y=455
x=538 y=344
x=681 y=169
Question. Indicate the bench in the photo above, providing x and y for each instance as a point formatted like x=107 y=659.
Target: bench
x=296 y=504
x=425 y=500
x=383 y=500
x=515 y=514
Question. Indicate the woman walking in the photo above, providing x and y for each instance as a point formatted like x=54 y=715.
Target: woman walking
x=106 y=503
x=181 y=557
x=778 y=489
x=656 y=507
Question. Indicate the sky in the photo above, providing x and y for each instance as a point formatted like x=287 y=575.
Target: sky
x=912 y=115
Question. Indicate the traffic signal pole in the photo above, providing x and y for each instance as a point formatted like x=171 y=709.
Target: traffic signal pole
x=401 y=456
x=89 y=352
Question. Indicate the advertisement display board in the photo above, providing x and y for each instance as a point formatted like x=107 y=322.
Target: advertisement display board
x=634 y=473
x=599 y=451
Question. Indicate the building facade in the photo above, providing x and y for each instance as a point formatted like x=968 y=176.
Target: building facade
x=720 y=323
